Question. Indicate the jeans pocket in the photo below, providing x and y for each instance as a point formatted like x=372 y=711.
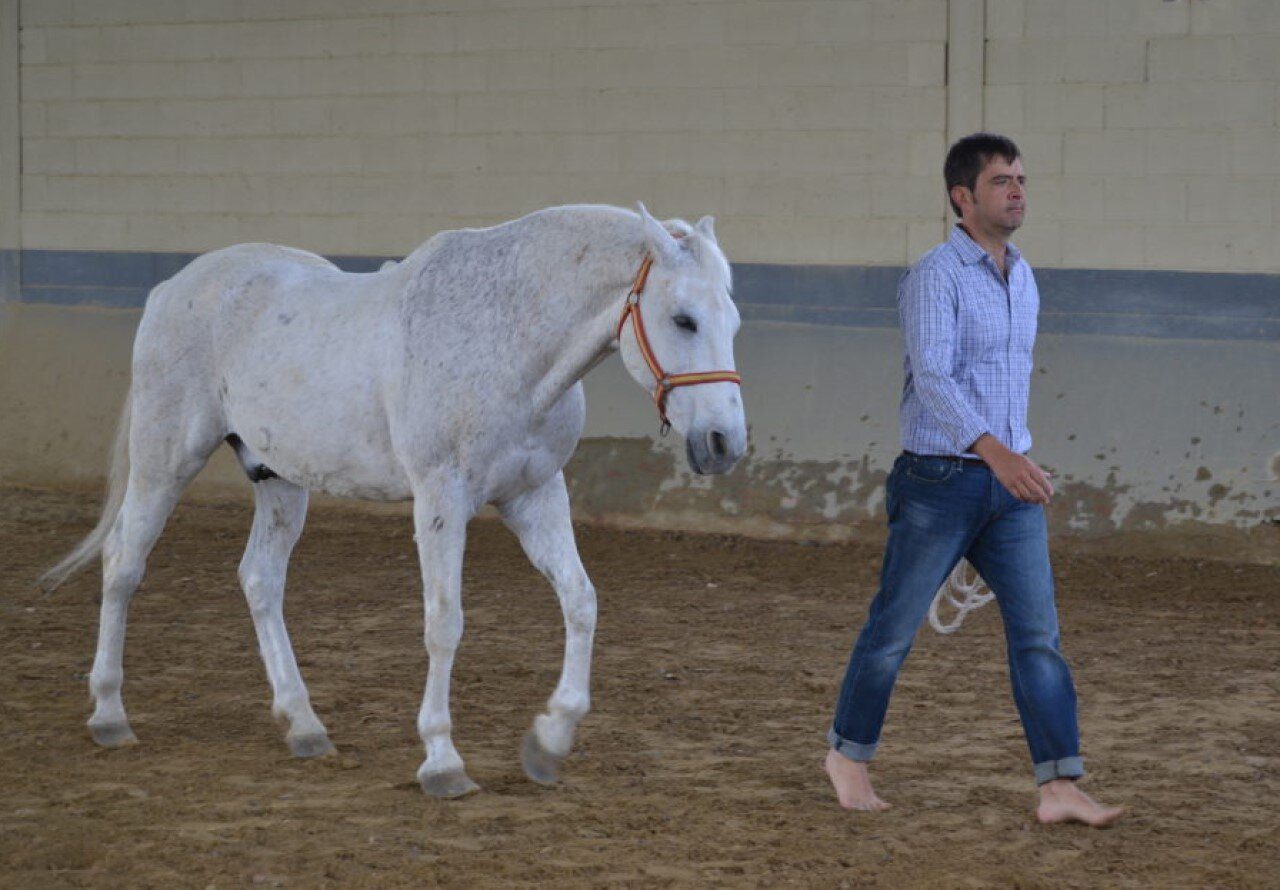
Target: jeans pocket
x=932 y=470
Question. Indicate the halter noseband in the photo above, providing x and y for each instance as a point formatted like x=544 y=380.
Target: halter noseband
x=664 y=382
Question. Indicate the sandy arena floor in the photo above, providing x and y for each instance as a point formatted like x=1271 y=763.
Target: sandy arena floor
x=716 y=665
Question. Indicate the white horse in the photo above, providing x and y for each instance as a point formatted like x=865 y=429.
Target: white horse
x=452 y=378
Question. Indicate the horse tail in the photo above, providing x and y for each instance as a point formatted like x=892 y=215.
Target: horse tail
x=91 y=546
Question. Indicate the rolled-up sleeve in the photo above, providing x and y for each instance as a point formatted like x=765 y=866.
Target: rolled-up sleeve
x=927 y=308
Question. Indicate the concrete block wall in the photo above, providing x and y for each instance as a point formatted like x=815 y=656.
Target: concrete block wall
x=813 y=128
x=1150 y=129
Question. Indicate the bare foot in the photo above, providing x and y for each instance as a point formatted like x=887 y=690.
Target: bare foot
x=852 y=783
x=1061 y=800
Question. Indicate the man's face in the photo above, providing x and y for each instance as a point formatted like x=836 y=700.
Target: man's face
x=999 y=200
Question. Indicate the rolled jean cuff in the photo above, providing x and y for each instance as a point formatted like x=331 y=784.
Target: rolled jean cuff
x=853 y=750
x=1066 y=768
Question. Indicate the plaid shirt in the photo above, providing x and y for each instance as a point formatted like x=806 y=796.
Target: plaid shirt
x=968 y=335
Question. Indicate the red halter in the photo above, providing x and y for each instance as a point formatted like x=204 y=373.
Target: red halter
x=665 y=382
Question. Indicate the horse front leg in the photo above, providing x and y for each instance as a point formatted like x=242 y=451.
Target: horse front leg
x=540 y=519
x=440 y=528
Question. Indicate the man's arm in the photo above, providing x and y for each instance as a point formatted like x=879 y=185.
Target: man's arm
x=927 y=306
x=1016 y=472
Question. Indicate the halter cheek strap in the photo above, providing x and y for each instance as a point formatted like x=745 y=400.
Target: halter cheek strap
x=664 y=382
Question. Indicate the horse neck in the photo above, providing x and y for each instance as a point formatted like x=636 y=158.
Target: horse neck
x=575 y=301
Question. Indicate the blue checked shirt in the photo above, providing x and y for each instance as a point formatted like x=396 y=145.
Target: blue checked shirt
x=968 y=335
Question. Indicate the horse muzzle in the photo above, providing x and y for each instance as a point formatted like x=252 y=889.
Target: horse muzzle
x=713 y=451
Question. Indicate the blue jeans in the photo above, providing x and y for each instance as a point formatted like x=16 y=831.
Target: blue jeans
x=941 y=509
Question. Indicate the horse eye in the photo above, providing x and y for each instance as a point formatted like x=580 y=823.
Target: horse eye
x=685 y=323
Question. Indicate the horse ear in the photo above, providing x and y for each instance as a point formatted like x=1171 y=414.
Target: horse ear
x=706 y=227
x=656 y=236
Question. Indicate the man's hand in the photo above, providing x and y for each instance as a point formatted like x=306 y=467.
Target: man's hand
x=1026 y=481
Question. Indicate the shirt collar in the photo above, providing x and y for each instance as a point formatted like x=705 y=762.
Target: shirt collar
x=971 y=252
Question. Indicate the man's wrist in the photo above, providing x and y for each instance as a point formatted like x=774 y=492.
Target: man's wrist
x=988 y=447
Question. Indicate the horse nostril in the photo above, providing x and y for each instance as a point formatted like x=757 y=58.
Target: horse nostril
x=719 y=445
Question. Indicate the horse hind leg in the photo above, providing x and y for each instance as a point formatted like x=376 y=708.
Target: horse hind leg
x=156 y=479
x=540 y=519
x=280 y=510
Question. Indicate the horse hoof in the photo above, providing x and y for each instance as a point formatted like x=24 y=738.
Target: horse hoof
x=314 y=745
x=112 y=735
x=447 y=785
x=539 y=764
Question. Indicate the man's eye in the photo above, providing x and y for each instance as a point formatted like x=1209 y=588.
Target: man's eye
x=685 y=323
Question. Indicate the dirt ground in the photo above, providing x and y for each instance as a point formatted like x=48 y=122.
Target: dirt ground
x=716 y=666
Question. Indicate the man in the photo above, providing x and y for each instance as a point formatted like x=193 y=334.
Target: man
x=964 y=487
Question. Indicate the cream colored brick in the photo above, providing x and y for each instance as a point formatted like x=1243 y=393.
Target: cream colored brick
x=1074 y=19
x=422 y=34
x=865 y=241
x=67 y=119
x=1143 y=199
x=1254 y=151
x=1236 y=17
x=1040 y=241
x=213 y=80
x=32 y=46
x=49 y=155
x=66 y=46
x=1075 y=197
x=1005 y=18
x=301 y=117
x=1256 y=57
x=426 y=113
x=613 y=111
x=108 y=12
x=1190 y=58
x=909 y=20
x=1150 y=17
x=312 y=154
x=528 y=28
x=927 y=152
x=924 y=234
x=130 y=80
x=840 y=24
x=541 y=112
x=799 y=108
x=1002 y=108
x=375 y=193
x=42 y=82
x=772 y=241
x=331 y=77
x=66 y=231
x=1188 y=152
x=127 y=156
x=906 y=196
x=239 y=194
x=392 y=74
x=302 y=195
x=1063 y=106
x=784 y=194
x=1220 y=248
x=766 y=23
x=362 y=37
x=513 y=70
x=1213 y=200
x=1041 y=152
x=35 y=13
x=1192 y=104
x=34 y=191
x=1102 y=245
x=1103 y=152
x=1018 y=61
x=926 y=64
x=260 y=78
x=684 y=24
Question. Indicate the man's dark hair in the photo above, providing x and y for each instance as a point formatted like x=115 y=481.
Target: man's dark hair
x=968 y=157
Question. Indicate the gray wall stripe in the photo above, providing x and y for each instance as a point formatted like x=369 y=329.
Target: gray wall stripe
x=1122 y=302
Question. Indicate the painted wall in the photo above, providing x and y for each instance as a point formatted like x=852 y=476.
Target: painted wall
x=144 y=130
